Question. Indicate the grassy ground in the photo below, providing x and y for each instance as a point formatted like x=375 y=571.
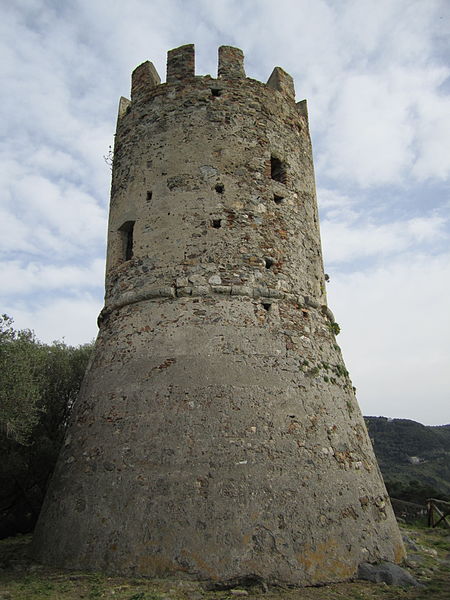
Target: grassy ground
x=23 y=579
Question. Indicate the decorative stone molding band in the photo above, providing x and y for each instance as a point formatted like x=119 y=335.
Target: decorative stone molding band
x=261 y=292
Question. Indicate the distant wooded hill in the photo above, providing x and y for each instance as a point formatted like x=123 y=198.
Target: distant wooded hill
x=414 y=458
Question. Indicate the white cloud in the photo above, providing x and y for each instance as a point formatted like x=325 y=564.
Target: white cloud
x=386 y=124
x=433 y=135
x=53 y=161
x=395 y=331
x=335 y=206
x=14 y=233
x=70 y=319
x=344 y=241
x=369 y=137
x=32 y=277
x=43 y=215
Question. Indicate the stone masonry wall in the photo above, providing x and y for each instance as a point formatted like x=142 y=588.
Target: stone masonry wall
x=217 y=432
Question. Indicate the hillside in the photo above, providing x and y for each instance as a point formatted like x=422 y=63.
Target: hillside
x=414 y=458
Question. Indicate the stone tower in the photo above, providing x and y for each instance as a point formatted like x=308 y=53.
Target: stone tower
x=217 y=432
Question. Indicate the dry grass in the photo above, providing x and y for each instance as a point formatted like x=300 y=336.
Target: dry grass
x=22 y=579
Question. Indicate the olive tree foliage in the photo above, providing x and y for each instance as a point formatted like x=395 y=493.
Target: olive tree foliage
x=38 y=386
x=38 y=382
x=20 y=385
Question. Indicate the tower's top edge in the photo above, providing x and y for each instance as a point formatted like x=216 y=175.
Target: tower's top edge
x=181 y=68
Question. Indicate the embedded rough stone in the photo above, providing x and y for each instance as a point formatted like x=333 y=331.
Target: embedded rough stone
x=386 y=572
x=215 y=280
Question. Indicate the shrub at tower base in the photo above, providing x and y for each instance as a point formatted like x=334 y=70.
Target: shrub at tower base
x=217 y=432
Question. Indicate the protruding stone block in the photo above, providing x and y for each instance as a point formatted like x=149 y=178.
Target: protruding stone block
x=144 y=78
x=231 y=63
x=282 y=81
x=180 y=63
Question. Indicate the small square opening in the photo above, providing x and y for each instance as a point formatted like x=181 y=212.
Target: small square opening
x=216 y=92
x=220 y=188
x=216 y=223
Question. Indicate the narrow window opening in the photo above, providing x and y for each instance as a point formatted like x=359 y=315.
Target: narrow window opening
x=219 y=188
x=277 y=169
x=267 y=305
x=216 y=223
x=216 y=92
x=268 y=262
x=126 y=231
x=278 y=199
x=149 y=196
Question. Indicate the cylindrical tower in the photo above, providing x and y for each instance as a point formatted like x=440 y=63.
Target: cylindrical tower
x=217 y=431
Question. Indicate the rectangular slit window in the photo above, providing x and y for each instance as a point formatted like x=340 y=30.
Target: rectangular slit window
x=277 y=169
x=126 y=233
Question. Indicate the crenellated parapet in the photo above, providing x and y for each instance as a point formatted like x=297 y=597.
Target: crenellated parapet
x=282 y=81
x=144 y=78
x=181 y=68
x=237 y=147
x=231 y=63
x=180 y=63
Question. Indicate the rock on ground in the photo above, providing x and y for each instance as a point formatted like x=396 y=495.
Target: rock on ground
x=386 y=572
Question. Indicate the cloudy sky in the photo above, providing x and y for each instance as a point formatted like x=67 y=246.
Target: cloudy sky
x=376 y=76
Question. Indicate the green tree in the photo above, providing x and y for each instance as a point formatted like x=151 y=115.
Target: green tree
x=38 y=387
x=61 y=375
x=20 y=385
